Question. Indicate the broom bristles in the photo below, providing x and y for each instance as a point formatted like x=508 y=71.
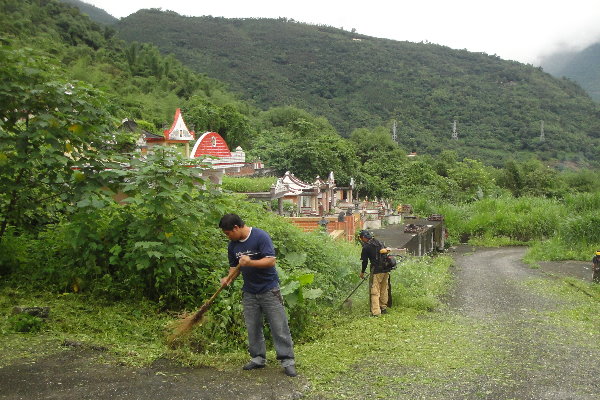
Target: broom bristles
x=184 y=326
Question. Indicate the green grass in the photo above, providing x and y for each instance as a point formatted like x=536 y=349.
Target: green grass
x=582 y=303
x=248 y=185
x=417 y=344
x=133 y=332
x=411 y=351
x=494 y=241
x=556 y=249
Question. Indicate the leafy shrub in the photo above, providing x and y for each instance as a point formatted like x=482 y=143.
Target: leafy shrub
x=25 y=323
x=163 y=243
x=583 y=228
x=14 y=251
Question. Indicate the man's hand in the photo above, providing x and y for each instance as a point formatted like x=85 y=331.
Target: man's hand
x=245 y=261
x=362 y=275
x=226 y=281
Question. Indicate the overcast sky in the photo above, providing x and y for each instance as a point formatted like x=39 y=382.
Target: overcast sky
x=521 y=30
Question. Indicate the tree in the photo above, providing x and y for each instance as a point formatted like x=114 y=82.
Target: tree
x=48 y=127
x=226 y=121
x=472 y=177
x=371 y=143
x=308 y=149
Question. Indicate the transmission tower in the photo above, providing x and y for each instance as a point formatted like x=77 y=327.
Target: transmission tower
x=394 y=135
x=454 y=133
x=542 y=136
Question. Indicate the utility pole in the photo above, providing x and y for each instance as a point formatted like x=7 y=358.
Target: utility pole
x=394 y=136
x=454 y=133
x=542 y=136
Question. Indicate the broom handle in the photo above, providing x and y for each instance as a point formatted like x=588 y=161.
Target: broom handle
x=214 y=296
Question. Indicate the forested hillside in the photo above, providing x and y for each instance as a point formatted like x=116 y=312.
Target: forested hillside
x=581 y=66
x=96 y=14
x=358 y=81
x=142 y=83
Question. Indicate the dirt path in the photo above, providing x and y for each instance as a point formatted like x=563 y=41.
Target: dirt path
x=499 y=338
x=78 y=374
x=544 y=361
x=524 y=354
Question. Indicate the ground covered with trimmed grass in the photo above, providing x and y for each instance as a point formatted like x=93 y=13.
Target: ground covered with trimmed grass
x=502 y=331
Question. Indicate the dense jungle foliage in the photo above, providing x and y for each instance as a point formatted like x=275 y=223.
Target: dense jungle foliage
x=65 y=85
x=356 y=81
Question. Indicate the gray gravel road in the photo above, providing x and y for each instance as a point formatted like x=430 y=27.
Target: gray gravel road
x=545 y=361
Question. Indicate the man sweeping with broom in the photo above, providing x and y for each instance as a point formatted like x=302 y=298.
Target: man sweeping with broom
x=252 y=249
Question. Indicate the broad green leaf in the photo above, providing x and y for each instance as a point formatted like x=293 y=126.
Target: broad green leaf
x=312 y=293
x=295 y=259
x=289 y=287
x=305 y=279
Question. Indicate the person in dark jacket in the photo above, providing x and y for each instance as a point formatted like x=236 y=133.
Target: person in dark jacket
x=596 y=267
x=379 y=279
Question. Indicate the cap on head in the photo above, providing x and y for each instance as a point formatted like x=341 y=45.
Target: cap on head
x=365 y=234
x=598 y=252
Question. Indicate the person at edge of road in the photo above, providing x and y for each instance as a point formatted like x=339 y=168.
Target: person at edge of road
x=252 y=248
x=596 y=267
x=379 y=279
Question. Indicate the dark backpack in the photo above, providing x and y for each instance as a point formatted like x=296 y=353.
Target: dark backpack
x=386 y=261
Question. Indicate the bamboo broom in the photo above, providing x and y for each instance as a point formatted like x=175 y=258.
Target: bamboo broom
x=184 y=326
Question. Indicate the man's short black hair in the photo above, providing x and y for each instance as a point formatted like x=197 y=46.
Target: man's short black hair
x=229 y=221
x=366 y=234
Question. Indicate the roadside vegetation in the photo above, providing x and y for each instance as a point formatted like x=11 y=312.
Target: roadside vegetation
x=133 y=331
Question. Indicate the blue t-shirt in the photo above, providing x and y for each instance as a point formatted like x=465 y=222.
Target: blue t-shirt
x=257 y=245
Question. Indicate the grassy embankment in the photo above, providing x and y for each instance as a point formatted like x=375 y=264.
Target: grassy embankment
x=134 y=332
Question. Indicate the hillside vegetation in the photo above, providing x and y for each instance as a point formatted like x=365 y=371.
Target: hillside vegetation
x=358 y=81
x=581 y=66
x=96 y=14
x=141 y=82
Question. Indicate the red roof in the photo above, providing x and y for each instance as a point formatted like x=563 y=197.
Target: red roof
x=177 y=118
x=211 y=144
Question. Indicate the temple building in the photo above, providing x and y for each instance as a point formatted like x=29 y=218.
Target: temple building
x=212 y=149
x=177 y=135
x=316 y=198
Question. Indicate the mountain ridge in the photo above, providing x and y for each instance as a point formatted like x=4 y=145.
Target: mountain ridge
x=359 y=81
x=96 y=14
x=581 y=66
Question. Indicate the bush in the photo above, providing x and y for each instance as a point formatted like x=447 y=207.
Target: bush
x=25 y=323
x=14 y=251
x=581 y=229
